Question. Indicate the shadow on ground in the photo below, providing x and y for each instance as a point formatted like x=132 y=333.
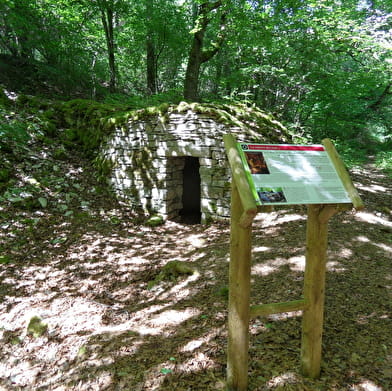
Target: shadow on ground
x=89 y=277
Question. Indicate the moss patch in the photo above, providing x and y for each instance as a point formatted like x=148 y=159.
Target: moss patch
x=89 y=122
x=86 y=123
x=104 y=167
x=263 y=125
x=155 y=220
x=171 y=271
x=36 y=327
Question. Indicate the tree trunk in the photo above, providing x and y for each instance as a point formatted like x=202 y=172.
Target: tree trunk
x=107 y=22
x=150 y=48
x=193 y=70
x=151 y=68
x=198 y=55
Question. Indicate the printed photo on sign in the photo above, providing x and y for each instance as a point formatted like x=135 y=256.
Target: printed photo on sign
x=269 y=194
x=256 y=163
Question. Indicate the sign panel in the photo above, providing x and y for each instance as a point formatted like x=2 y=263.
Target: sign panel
x=292 y=174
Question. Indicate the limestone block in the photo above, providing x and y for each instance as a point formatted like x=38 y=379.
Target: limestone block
x=207 y=162
x=215 y=192
x=144 y=193
x=218 y=171
x=176 y=164
x=159 y=207
x=187 y=150
x=186 y=127
x=222 y=211
x=207 y=205
x=163 y=194
x=170 y=182
x=209 y=190
x=223 y=163
x=209 y=142
x=220 y=183
x=126 y=159
x=172 y=214
x=205 y=172
x=217 y=155
x=177 y=176
x=110 y=151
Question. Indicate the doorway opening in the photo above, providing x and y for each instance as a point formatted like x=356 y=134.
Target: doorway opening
x=190 y=212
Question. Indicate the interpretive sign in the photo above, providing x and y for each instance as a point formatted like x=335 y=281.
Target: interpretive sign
x=265 y=174
x=281 y=174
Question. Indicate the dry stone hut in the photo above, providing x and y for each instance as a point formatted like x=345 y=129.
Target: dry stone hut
x=173 y=163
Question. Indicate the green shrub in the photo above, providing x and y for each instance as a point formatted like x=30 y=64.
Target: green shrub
x=384 y=161
x=4 y=100
x=13 y=132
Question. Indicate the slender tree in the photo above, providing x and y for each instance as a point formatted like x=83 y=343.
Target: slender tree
x=106 y=8
x=199 y=54
x=150 y=48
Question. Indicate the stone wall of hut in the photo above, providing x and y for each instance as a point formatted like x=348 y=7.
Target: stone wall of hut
x=147 y=160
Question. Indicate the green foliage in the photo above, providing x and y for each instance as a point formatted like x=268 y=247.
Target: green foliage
x=322 y=67
x=174 y=269
x=5 y=175
x=223 y=291
x=352 y=153
x=166 y=371
x=384 y=161
x=13 y=130
x=171 y=271
x=5 y=259
x=14 y=137
x=357 y=154
x=4 y=100
x=86 y=122
x=138 y=102
x=25 y=197
x=21 y=122
x=155 y=220
x=36 y=327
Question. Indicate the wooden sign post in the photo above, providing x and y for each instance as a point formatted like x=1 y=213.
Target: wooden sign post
x=248 y=197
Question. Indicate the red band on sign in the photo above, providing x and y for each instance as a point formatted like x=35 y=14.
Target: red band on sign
x=259 y=147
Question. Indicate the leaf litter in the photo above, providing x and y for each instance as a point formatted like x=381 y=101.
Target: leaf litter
x=87 y=269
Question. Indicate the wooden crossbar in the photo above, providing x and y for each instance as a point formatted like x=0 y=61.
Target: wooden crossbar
x=277 y=308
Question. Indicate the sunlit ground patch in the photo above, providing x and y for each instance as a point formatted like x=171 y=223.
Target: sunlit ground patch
x=372 y=218
x=367 y=385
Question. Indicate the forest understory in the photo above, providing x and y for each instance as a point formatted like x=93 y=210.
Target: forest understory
x=85 y=303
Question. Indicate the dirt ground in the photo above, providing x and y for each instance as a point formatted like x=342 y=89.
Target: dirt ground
x=89 y=271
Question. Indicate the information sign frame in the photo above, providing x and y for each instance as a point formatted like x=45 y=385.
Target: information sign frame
x=287 y=174
x=243 y=211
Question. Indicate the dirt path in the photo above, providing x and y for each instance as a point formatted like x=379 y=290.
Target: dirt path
x=114 y=323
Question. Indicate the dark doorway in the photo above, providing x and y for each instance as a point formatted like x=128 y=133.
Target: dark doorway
x=190 y=212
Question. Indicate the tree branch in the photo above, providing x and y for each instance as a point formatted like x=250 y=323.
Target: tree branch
x=207 y=54
x=387 y=91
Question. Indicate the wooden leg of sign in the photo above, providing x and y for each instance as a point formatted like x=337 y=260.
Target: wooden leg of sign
x=314 y=287
x=239 y=290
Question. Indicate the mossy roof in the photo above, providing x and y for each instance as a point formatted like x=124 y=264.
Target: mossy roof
x=92 y=121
